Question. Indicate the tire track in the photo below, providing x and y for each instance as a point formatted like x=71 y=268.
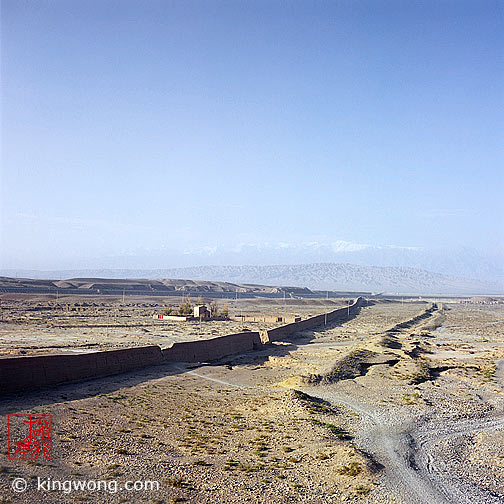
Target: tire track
x=414 y=468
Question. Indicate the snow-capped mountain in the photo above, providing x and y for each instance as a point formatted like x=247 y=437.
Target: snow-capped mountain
x=315 y=276
x=462 y=262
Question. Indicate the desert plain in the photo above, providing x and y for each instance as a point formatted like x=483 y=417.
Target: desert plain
x=401 y=403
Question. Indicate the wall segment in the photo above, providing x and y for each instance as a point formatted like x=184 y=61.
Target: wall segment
x=28 y=373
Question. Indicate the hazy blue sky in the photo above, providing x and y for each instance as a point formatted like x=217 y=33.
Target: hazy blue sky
x=130 y=126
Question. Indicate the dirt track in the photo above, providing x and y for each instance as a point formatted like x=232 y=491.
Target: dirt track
x=418 y=451
x=424 y=427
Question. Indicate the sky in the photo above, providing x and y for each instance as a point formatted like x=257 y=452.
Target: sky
x=136 y=127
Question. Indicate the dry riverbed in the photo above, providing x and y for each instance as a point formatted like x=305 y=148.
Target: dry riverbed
x=383 y=408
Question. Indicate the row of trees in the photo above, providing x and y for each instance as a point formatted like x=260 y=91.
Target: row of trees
x=186 y=308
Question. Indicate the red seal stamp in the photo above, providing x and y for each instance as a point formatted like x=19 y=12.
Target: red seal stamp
x=29 y=436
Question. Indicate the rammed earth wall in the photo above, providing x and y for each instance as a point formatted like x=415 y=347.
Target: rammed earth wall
x=213 y=349
x=28 y=373
x=313 y=322
x=20 y=373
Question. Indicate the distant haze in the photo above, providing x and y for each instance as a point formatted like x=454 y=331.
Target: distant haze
x=318 y=276
x=153 y=135
x=460 y=262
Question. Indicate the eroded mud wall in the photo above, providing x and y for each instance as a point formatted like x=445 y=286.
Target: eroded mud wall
x=22 y=373
x=213 y=349
x=313 y=322
x=27 y=373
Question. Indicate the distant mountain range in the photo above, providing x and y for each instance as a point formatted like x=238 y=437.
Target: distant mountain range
x=460 y=262
x=315 y=276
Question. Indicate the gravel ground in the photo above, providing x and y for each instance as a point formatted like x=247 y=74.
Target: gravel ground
x=425 y=428
x=35 y=325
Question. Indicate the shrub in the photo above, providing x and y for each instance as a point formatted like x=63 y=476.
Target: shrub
x=186 y=307
x=351 y=469
x=176 y=482
x=362 y=490
x=214 y=308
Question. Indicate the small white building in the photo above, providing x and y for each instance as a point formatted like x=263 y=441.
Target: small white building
x=201 y=311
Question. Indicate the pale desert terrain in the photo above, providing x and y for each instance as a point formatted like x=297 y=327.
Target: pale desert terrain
x=372 y=410
x=44 y=324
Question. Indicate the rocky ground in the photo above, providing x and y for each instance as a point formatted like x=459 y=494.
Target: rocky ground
x=384 y=408
x=45 y=324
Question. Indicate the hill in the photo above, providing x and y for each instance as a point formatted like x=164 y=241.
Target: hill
x=316 y=276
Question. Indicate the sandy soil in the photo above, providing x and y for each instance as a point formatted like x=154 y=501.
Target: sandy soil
x=43 y=324
x=377 y=410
